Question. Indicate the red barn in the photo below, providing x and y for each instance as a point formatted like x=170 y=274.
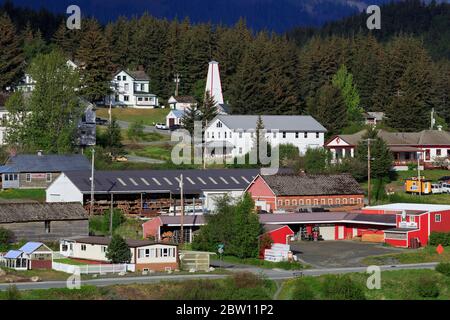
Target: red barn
x=278 y=233
x=414 y=222
x=290 y=192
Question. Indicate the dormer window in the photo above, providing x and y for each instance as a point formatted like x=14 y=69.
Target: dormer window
x=219 y=124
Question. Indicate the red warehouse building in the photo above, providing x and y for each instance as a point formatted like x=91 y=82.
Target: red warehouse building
x=291 y=192
x=278 y=233
x=414 y=222
x=157 y=228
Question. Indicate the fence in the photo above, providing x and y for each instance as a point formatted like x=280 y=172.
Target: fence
x=92 y=268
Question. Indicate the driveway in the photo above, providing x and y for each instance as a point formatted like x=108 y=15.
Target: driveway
x=338 y=254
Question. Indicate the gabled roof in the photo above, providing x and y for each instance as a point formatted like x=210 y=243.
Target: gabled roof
x=272 y=122
x=47 y=163
x=184 y=99
x=139 y=75
x=13 y=254
x=177 y=113
x=312 y=185
x=106 y=240
x=31 y=247
x=164 y=181
x=51 y=211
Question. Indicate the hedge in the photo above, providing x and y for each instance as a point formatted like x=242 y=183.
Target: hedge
x=442 y=238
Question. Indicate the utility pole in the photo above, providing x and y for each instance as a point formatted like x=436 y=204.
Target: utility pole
x=204 y=145
x=111 y=215
x=368 y=169
x=182 y=211
x=177 y=82
x=91 y=210
x=418 y=173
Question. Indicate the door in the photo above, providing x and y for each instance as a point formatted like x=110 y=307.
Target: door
x=171 y=122
x=341 y=232
x=327 y=232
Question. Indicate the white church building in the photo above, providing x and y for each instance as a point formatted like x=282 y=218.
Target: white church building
x=234 y=135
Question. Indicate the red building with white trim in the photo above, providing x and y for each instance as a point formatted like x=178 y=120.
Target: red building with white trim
x=414 y=222
x=291 y=192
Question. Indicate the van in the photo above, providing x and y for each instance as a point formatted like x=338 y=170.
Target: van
x=446 y=187
x=436 y=188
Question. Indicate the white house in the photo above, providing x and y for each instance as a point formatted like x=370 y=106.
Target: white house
x=236 y=132
x=178 y=105
x=132 y=89
x=145 y=254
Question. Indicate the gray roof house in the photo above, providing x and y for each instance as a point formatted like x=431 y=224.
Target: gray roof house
x=26 y=171
x=232 y=135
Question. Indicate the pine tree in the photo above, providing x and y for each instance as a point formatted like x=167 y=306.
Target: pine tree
x=113 y=137
x=95 y=57
x=259 y=139
x=208 y=110
x=118 y=250
x=328 y=107
x=11 y=57
x=190 y=116
x=67 y=40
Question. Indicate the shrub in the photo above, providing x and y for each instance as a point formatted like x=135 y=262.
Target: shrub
x=6 y=238
x=426 y=287
x=12 y=293
x=341 y=287
x=303 y=291
x=136 y=130
x=444 y=268
x=442 y=238
x=246 y=280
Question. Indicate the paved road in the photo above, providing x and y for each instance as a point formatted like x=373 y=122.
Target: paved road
x=147 y=129
x=273 y=274
x=337 y=254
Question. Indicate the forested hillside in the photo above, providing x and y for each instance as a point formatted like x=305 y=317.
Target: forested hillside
x=267 y=73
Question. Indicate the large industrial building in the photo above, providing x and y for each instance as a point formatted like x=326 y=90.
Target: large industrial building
x=150 y=192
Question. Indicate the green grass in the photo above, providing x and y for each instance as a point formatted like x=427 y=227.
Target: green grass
x=263 y=263
x=161 y=152
x=70 y=261
x=44 y=275
x=130 y=229
x=427 y=254
x=147 y=116
x=23 y=194
x=395 y=285
x=428 y=174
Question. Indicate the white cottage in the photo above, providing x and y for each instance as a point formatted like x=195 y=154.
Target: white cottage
x=132 y=89
x=236 y=133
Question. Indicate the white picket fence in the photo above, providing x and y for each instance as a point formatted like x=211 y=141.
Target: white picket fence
x=93 y=268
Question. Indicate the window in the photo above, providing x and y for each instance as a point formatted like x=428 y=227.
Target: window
x=104 y=249
x=127 y=86
x=308 y=201
x=83 y=247
x=287 y=202
x=294 y=202
x=338 y=201
x=165 y=252
x=225 y=135
x=240 y=150
x=305 y=135
x=142 y=87
x=48 y=177
x=301 y=202
x=139 y=99
x=352 y=201
x=219 y=124
x=322 y=201
x=274 y=135
x=28 y=177
x=344 y=201
x=437 y=218
x=218 y=135
x=280 y=202
x=207 y=134
x=47 y=226
x=316 y=202
x=317 y=135
x=330 y=201
x=212 y=135
x=438 y=152
x=64 y=247
x=359 y=200
x=126 y=98
x=284 y=134
x=296 y=135
x=231 y=136
x=124 y=78
x=240 y=134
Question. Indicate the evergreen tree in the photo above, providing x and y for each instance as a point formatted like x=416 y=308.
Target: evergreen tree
x=343 y=80
x=113 y=138
x=94 y=54
x=191 y=114
x=11 y=57
x=379 y=152
x=259 y=139
x=118 y=250
x=53 y=109
x=208 y=110
x=328 y=107
x=317 y=160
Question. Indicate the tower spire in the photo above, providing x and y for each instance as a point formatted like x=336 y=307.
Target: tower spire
x=213 y=83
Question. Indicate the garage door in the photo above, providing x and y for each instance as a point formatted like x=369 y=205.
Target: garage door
x=327 y=232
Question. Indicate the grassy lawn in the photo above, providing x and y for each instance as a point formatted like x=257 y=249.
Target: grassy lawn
x=427 y=254
x=147 y=116
x=25 y=276
x=240 y=287
x=161 y=152
x=263 y=263
x=70 y=261
x=23 y=194
x=395 y=285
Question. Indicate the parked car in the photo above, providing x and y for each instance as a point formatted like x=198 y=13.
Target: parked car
x=100 y=121
x=436 y=188
x=161 y=126
x=446 y=187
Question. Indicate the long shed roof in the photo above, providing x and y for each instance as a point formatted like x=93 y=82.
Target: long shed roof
x=29 y=212
x=163 y=181
x=47 y=163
